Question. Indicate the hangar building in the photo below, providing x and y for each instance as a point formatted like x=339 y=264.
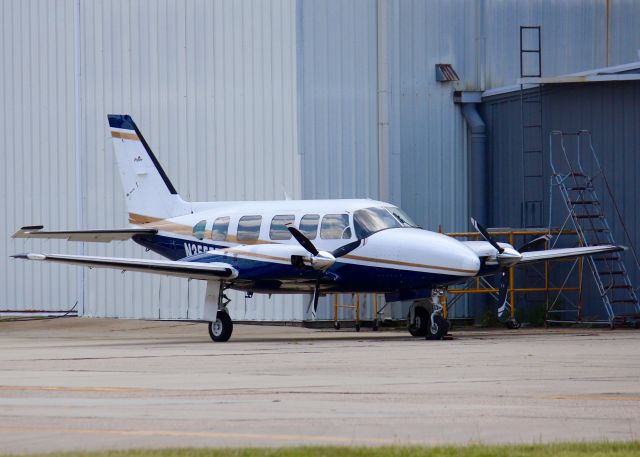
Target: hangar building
x=248 y=100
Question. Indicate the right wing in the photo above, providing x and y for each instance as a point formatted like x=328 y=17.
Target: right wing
x=100 y=236
x=182 y=269
x=563 y=253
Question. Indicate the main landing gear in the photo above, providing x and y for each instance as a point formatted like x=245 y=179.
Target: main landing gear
x=215 y=304
x=432 y=326
x=221 y=330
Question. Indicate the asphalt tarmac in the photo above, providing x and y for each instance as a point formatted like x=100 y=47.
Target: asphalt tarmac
x=75 y=383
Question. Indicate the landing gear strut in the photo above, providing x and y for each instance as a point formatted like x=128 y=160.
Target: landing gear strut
x=439 y=326
x=220 y=327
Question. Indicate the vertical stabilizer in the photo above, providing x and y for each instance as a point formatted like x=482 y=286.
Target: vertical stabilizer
x=148 y=191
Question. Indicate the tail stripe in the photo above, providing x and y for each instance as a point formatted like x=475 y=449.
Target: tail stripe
x=152 y=156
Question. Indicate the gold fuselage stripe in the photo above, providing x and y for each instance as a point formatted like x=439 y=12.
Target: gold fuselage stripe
x=172 y=227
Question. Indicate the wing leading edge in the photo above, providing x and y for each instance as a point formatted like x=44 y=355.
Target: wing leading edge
x=563 y=253
x=99 y=236
x=192 y=270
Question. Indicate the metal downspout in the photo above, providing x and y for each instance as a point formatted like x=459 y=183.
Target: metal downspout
x=478 y=160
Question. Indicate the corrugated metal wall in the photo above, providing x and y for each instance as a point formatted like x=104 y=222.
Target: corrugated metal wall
x=577 y=35
x=611 y=111
x=37 y=146
x=227 y=92
x=212 y=86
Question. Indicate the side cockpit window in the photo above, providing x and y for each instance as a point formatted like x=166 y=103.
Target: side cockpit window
x=278 y=229
x=220 y=229
x=249 y=228
x=199 y=228
x=335 y=227
x=368 y=221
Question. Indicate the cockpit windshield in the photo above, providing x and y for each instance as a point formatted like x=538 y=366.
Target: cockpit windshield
x=403 y=217
x=368 y=221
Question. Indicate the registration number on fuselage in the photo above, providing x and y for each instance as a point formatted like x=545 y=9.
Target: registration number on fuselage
x=195 y=248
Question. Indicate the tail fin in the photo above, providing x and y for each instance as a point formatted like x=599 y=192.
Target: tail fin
x=148 y=191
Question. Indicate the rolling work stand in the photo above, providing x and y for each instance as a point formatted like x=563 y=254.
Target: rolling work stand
x=577 y=189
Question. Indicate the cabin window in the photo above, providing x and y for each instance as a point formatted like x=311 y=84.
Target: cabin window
x=278 y=230
x=309 y=225
x=220 y=229
x=249 y=228
x=368 y=221
x=199 y=228
x=335 y=227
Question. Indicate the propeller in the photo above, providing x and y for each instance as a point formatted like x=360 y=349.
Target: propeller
x=320 y=260
x=506 y=257
x=485 y=234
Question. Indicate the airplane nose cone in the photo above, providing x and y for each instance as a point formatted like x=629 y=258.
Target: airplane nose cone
x=452 y=254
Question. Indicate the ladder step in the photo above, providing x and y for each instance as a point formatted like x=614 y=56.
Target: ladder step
x=584 y=202
x=599 y=230
x=621 y=286
x=606 y=259
x=588 y=216
x=616 y=272
x=625 y=301
x=577 y=188
x=575 y=173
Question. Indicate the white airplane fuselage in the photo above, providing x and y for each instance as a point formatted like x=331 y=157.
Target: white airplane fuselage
x=389 y=260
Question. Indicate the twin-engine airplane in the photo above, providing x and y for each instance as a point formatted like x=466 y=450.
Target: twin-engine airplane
x=306 y=246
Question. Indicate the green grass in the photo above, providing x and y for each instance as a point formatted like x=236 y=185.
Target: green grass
x=599 y=449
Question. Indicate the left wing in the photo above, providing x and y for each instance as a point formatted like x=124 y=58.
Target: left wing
x=552 y=254
x=193 y=270
x=100 y=236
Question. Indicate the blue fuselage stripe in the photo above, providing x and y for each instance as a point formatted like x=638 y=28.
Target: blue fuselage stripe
x=347 y=276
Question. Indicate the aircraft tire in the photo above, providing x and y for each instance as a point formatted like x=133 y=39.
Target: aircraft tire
x=442 y=327
x=221 y=330
x=422 y=322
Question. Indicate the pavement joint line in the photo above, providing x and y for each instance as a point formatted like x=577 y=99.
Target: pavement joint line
x=203 y=434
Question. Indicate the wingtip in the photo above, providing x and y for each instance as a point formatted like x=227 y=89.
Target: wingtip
x=29 y=256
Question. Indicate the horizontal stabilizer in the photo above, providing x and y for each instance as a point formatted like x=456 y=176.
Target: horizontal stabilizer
x=192 y=270
x=99 y=236
x=552 y=254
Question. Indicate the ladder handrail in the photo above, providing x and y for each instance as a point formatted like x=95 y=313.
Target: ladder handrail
x=592 y=213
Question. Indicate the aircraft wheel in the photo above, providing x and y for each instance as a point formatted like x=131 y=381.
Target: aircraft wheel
x=357 y=327
x=336 y=325
x=439 y=329
x=221 y=330
x=376 y=326
x=421 y=323
x=512 y=324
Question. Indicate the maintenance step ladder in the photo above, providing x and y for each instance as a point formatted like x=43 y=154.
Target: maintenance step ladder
x=586 y=212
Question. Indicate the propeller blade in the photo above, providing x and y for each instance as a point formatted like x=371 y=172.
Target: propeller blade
x=346 y=249
x=303 y=240
x=485 y=234
x=504 y=310
x=536 y=244
x=316 y=296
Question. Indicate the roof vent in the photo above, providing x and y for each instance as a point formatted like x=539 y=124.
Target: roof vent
x=445 y=73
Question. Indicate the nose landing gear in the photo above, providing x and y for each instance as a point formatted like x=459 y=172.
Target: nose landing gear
x=432 y=326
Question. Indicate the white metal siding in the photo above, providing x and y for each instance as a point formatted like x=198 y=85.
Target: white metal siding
x=212 y=86
x=37 y=147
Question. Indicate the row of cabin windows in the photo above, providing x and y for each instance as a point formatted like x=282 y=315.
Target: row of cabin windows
x=333 y=227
